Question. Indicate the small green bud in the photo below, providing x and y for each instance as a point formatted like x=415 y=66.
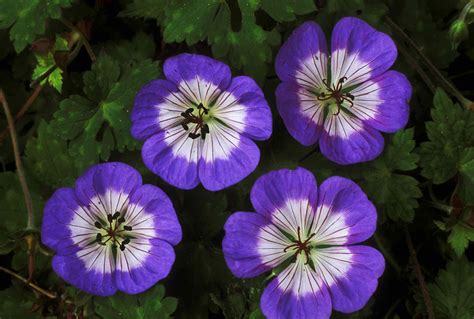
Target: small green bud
x=458 y=32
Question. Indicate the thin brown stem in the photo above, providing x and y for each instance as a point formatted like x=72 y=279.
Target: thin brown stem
x=48 y=294
x=412 y=62
x=24 y=108
x=448 y=86
x=19 y=166
x=84 y=39
x=419 y=275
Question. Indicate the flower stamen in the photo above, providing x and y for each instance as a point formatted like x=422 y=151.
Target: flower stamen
x=114 y=231
x=335 y=93
x=300 y=246
x=198 y=119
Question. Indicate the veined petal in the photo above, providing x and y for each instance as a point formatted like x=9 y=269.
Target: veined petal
x=151 y=215
x=359 y=52
x=158 y=106
x=198 y=77
x=298 y=293
x=351 y=273
x=303 y=57
x=174 y=157
x=252 y=245
x=301 y=112
x=344 y=214
x=243 y=108
x=382 y=102
x=104 y=188
x=288 y=198
x=142 y=264
x=65 y=223
x=90 y=269
x=346 y=140
x=227 y=157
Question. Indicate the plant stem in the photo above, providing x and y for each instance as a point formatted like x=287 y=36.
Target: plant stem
x=84 y=39
x=48 y=294
x=412 y=62
x=419 y=276
x=388 y=256
x=19 y=166
x=448 y=86
x=23 y=109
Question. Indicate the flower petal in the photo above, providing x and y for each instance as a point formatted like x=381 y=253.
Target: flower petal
x=351 y=273
x=301 y=112
x=65 y=222
x=150 y=204
x=227 y=157
x=382 y=102
x=344 y=214
x=303 y=57
x=158 y=106
x=243 y=108
x=142 y=264
x=359 y=52
x=287 y=197
x=174 y=157
x=252 y=245
x=104 y=188
x=346 y=140
x=90 y=270
x=199 y=77
x=296 y=293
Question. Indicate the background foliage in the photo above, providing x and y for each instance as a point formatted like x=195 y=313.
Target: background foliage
x=70 y=70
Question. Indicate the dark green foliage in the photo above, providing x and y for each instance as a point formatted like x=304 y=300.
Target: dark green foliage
x=150 y=304
x=424 y=178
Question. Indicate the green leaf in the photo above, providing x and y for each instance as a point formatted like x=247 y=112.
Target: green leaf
x=450 y=133
x=250 y=48
x=99 y=122
x=154 y=9
x=141 y=47
x=47 y=62
x=466 y=177
x=150 y=304
x=453 y=291
x=460 y=236
x=48 y=158
x=395 y=195
x=192 y=21
x=17 y=303
x=287 y=10
x=27 y=18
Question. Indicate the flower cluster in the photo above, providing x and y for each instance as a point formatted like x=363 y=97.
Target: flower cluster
x=112 y=233
x=314 y=229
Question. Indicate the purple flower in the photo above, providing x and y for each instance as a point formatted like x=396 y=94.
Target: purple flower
x=342 y=107
x=198 y=125
x=111 y=232
x=313 y=232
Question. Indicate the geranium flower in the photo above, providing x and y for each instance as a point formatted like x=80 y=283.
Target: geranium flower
x=311 y=234
x=198 y=125
x=342 y=106
x=111 y=232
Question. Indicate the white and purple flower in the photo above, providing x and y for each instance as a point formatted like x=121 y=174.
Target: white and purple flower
x=313 y=232
x=199 y=123
x=342 y=106
x=111 y=232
